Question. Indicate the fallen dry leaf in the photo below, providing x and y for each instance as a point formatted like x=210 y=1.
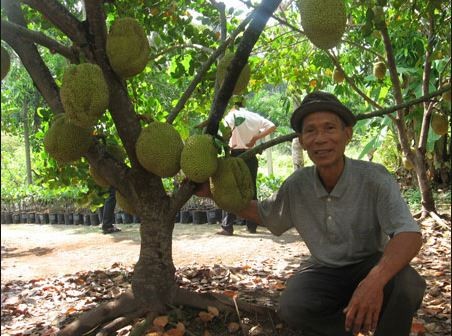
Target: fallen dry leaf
x=213 y=310
x=205 y=316
x=233 y=327
x=160 y=321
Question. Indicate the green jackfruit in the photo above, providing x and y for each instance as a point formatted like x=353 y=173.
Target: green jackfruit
x=6 y=62
x=446 y=95
x=338 y=75
x=199 y=158
x=407 y=164
x=439 y=123
x=65 y=141
x=84 y=94
x=323 y=21
x=124 y=204
x=127 y=47
x=379 y=70
x=244 y=77
x=159 y=148
x=231 y=185
x=100 y=181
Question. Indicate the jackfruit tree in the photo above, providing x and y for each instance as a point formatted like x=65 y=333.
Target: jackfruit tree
x=105 y=52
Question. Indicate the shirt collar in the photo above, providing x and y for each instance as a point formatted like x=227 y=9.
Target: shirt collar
x=341 y=184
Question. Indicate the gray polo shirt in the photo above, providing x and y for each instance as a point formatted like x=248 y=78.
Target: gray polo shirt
x=346 y=225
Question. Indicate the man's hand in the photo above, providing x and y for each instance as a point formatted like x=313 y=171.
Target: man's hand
x=251 y=143
x=363 y=310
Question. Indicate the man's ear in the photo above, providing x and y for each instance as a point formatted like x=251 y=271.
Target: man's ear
x=348 y=134
x=300 y=140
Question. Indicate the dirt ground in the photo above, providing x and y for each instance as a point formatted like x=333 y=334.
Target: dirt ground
x=32 y=251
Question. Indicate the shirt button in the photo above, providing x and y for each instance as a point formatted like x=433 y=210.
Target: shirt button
x=328 y=199
x=330 y=218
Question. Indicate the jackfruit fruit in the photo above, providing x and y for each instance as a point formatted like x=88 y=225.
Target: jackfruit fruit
x=407 y=164
x=124 y=204
x=439 y=123
x=158 y=149
x=379 y=16
x=244 y=77
x=199 y=158
x=6 y=62
x=338 y=75
x=65 y=141
x=231 y=185
x=379 y=70
x=84 y=94
x=127 y=47
x=323 y=21
x=100 y=181
x=447 y=95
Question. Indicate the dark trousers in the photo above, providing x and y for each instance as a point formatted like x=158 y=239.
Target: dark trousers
x=314 y=299
x=108 y=217
x=253 y=165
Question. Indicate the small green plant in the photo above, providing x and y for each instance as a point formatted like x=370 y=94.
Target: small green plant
x=267 y=185
x=413 y=198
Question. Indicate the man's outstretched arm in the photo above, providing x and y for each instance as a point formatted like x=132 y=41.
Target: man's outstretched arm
x=249 y=212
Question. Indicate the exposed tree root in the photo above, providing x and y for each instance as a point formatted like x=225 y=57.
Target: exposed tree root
x=109 y=317
x=119 y=323
x=222 y=302
x=418 y=215
x=424 y=214
x=141 y=328
x=439 y=220
x=125 y=305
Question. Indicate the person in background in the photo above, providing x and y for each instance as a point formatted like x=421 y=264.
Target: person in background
x=108 y=216
x=357 y=227
x=247 y=128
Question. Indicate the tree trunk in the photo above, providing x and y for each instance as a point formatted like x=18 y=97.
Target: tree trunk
x=153 y=281
x=268 y=153
x=428 y=203
x=297 y=154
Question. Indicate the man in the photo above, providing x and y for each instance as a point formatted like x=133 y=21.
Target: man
x=247 y=128
x=358 y=228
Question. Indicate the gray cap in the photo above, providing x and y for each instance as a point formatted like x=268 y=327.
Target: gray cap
x=319 y=101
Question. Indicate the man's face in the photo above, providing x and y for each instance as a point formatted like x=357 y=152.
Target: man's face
x=324 y=136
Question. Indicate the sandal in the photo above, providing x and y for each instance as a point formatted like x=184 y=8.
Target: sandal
x=112 y=229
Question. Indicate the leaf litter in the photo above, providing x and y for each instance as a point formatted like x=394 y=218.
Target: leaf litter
x=43 y=306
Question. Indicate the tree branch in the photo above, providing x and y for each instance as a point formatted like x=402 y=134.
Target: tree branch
x=250 y=37
x=396 y=89
x=426 y=83
x=379 y=113
x=97 y=29
x=297 y=29
x=180 y=46
x=17 y=31
x=337 y=64
x=206 y=66
x=61 y=18
x=30 y=58
x=404 y=105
